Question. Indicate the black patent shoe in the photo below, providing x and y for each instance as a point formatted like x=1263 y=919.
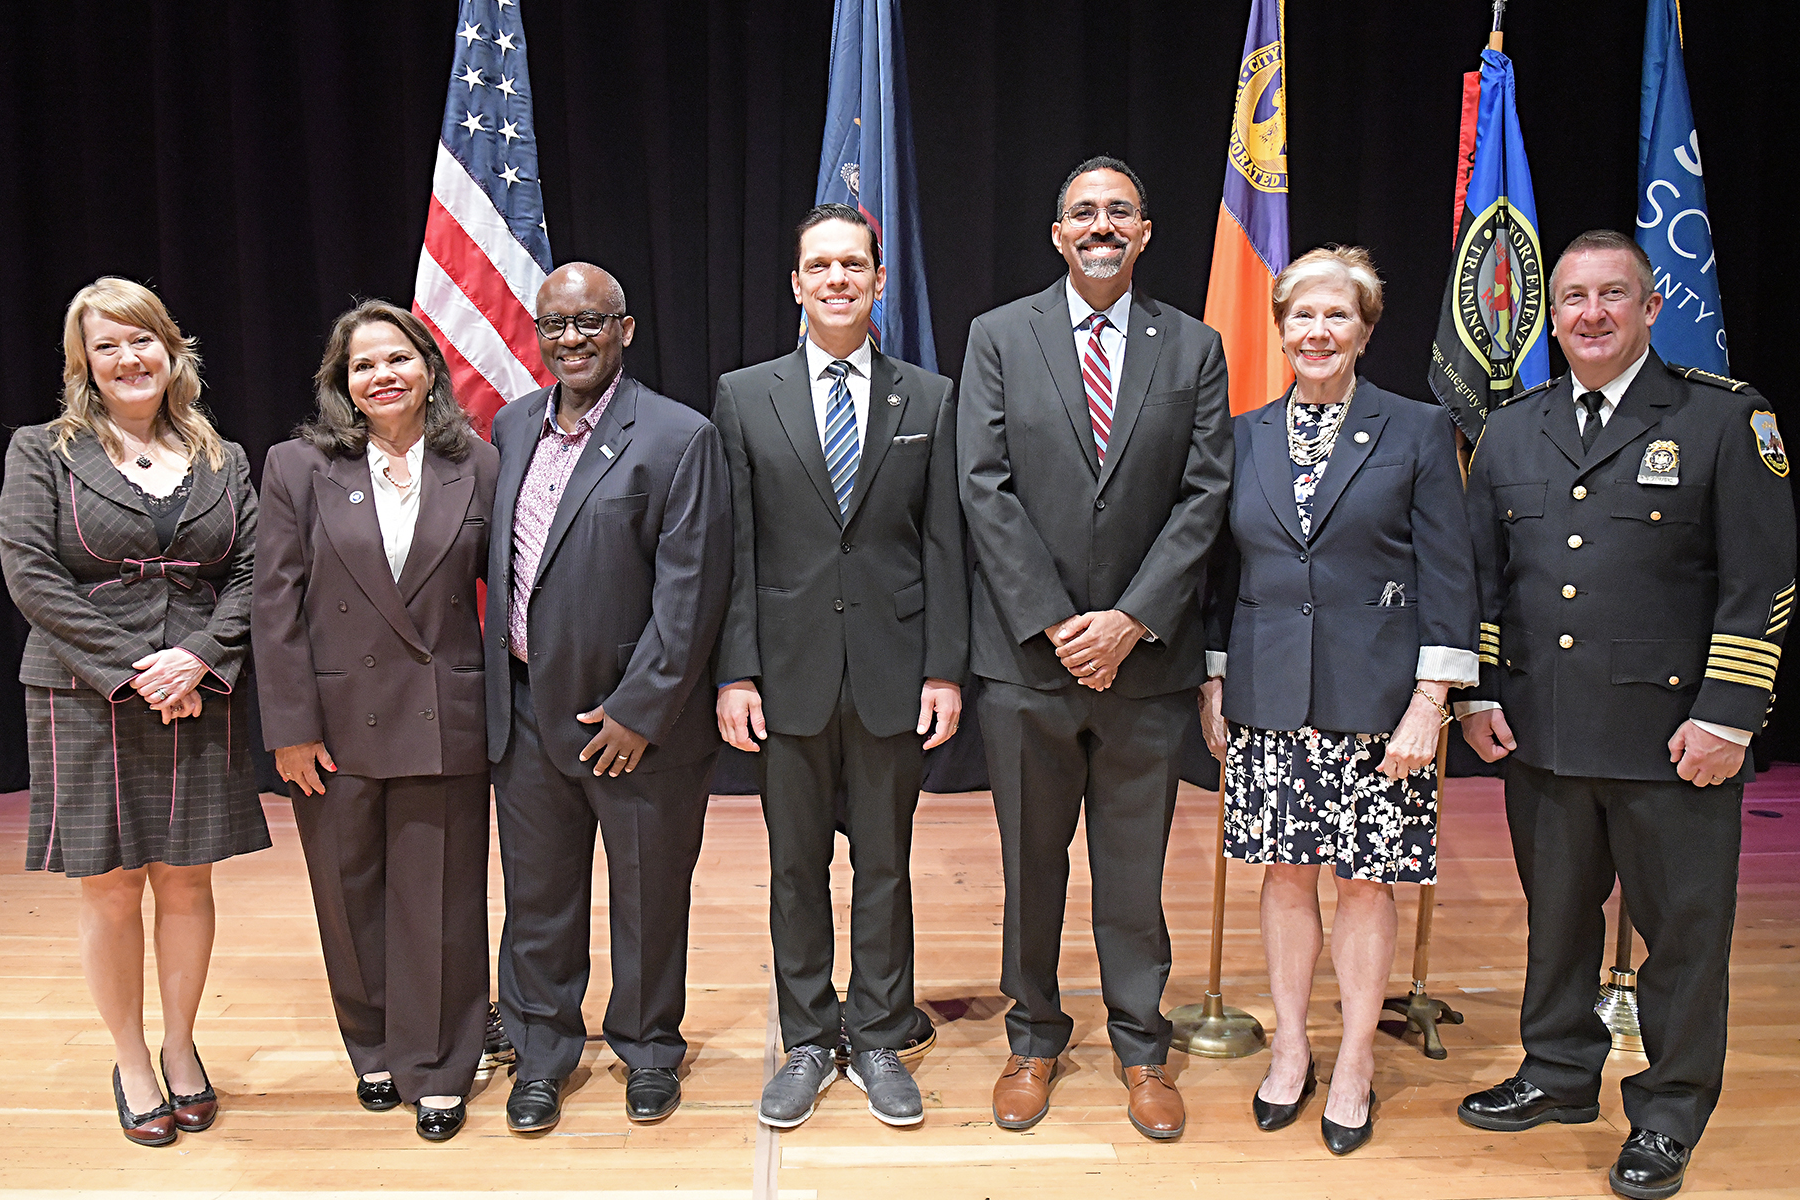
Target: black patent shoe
x=534 y=1106
x=1651 y=1166
x=496 y=1048
x=1520 y=1104
x=441 y=1124
x=1270 y=1117
x=193 y=1113
x=651 y=1093
x=377 y=1096
x=1342 y=1139
x=154 y=1128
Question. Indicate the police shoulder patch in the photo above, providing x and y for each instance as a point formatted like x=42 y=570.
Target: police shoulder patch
x=1696 y=375
x=1768 y=441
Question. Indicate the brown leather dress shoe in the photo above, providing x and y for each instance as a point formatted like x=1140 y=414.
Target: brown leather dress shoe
x=1154 y=1105
x=1022 y=1093
x=193 y=1113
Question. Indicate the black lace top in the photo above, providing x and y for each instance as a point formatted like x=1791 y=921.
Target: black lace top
x=165 y=511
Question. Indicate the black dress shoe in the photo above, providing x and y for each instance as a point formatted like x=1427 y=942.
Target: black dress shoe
x=651 y=1093
x=534 y=1106
x=1519 y=1104
x=196 y=1112
x=378 y=1096
x=441 y=1124
x=1651 y=1165
x=1342 y=1139
x=1270 y=1117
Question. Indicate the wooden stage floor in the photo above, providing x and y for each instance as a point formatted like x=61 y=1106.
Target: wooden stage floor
x=290 y=1123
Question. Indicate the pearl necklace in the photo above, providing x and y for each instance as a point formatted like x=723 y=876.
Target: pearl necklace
x=1307 y=452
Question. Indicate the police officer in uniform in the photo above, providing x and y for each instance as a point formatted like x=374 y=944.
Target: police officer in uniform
x=1634 y=537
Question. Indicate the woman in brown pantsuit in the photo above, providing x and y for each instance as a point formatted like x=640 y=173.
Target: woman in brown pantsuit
x=126 y=530
x=368 y=653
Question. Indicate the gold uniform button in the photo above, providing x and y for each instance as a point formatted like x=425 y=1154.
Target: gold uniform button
x=1656 y=516
x=1568 y=591
x=1574 y=541
x=1509 y=512
x=1565 y=641
x=1674 y=681
x=1580 y=493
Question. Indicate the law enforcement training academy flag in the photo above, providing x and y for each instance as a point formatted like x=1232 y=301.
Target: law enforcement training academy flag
x=1673 y=227
x=867 y=163
x=1490 y=340
x=487 y=249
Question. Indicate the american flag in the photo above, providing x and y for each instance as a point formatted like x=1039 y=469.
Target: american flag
x=487 y=248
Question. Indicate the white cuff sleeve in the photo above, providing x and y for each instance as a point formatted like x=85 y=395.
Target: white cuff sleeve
x=1447 y=664
x=1739 y=736
x=1215 y=664
x=1463 y=708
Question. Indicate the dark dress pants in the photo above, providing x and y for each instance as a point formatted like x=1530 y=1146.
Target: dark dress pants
x=1674 y=849
x=399 y=881
x=651 y=823
x=1049 y=753
x=880 y=778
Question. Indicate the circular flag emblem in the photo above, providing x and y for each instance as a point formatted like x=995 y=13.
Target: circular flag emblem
x=1499 y=291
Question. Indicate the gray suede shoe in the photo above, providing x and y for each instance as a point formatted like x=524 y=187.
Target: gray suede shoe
x=893 y=1096
x=792 y=1094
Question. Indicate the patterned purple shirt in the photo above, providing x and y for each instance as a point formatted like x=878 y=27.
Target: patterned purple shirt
x=552 y=462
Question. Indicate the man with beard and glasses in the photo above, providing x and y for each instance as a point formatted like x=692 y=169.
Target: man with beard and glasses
x=1094 y=437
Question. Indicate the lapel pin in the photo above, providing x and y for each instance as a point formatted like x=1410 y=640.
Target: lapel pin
x=1150 y=332
x=893 y=399
x=356 y=497
x=1361 y=437
x=607 y=450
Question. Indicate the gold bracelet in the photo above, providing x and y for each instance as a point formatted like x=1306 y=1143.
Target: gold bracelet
x=1443 y=709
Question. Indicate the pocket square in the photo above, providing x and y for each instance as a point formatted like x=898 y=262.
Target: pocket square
x=907 y=439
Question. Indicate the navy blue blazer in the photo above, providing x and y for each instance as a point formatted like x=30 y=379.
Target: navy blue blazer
x=1326 y=631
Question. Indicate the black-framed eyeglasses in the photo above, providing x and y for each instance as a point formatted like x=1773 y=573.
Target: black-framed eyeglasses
x=587 y=323
x=1118 y=212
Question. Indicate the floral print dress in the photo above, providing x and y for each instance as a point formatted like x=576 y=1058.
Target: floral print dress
x=1307 y=796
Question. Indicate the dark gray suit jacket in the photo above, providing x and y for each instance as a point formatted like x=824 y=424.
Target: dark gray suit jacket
x=1056 y=534
x=631 y=585
x=1310 y=640
x=882 y=590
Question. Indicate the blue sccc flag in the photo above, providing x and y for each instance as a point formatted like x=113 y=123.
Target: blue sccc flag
x=1672 y=225
x=867 y=163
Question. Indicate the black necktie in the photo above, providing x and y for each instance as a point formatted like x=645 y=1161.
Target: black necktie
x=1591 y=401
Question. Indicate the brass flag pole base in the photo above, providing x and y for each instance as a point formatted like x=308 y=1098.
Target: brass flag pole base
x=1420 y=1012
x=1618 y=1002
x=1211 y=1030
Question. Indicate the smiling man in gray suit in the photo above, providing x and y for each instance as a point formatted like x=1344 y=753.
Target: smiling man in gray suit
x=1094 y=436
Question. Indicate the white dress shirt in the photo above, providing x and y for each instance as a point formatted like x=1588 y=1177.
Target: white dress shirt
x=397 y=509
x=1613 y=391
x=858 y=380
x=1112 y=338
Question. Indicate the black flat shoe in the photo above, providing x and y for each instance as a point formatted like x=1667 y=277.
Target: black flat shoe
x=194 y=1113
x=1270 y=1117
x=651 y=1093
x=379 y=1096
x=1651 y=1166
x=1519 y=1104
x=1342 y=1139
x=441 y=1124
x=534 y=1106
x=154 y=1128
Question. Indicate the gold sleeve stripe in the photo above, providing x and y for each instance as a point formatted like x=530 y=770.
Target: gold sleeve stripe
x=1732 y=677
x=1730 y=639
x=1786 y=591
x=1758 y=657
x=1777 y=628
x=1492 y=660
x=1493 y=629
x=1489 y=639
x=1726 y=664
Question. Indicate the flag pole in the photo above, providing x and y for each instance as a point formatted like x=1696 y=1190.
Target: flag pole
x=1618 y=1002
x=1212 y=1030
x=1497 y=35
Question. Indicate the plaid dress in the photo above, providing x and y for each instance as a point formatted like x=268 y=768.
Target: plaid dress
x=111 y=785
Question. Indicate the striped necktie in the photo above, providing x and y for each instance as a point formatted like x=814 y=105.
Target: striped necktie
x=1096 y=375
x=842 y=450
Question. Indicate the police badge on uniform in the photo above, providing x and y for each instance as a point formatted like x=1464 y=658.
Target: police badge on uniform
x=1661 y=465
x=1768 y=442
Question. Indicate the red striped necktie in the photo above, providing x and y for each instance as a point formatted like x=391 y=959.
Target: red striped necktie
x=1096 y=375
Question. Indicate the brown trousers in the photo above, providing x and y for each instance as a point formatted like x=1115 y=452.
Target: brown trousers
x=399 y=882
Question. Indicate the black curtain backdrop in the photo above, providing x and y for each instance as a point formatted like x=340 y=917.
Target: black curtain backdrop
x=262 y=165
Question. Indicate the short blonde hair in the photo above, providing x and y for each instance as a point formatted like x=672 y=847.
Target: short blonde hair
x=1331 y=264
x=83 y=408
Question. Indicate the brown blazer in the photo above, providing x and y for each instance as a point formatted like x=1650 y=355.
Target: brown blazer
x=388 y=675
x=83 y=563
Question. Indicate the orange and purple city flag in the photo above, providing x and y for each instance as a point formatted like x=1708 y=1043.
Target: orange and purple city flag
x=1251 y=246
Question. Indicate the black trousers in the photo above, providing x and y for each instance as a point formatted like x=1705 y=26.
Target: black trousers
x=651 y=823
x=399 y=882
x=1674 y=849
x=800 y=780
x=1049 y=753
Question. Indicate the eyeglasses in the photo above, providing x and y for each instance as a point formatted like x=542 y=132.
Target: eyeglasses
x=587 y=324
x=1118 y=212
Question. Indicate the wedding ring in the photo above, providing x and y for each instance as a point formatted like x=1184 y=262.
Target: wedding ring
x=161 y=695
